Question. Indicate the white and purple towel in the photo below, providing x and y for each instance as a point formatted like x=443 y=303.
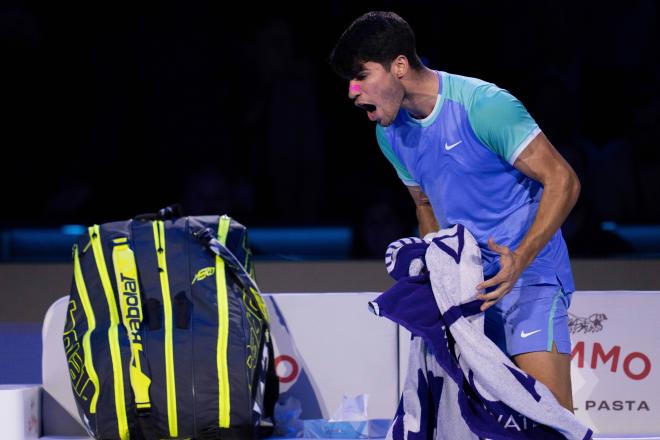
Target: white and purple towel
x=459 y=384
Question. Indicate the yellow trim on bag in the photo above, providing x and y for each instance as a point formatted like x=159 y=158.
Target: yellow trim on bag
x=113 y=334
x=159 y=240
x=91 y=325
x=131 y=314
x=223 y=328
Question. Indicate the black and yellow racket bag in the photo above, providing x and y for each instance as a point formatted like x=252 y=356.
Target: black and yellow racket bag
x=167 y=336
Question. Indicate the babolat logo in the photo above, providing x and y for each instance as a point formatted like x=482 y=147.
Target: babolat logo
x=75 y=355
x=133 y=315
x=204 y=273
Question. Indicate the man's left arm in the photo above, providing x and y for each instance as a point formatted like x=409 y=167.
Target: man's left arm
x=561 y=188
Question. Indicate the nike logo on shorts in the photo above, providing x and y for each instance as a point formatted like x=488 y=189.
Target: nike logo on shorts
x=524 y=335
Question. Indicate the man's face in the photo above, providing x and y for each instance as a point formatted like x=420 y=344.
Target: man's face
x=378 y=92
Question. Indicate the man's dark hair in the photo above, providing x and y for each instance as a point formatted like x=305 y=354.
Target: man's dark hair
x=376 y=36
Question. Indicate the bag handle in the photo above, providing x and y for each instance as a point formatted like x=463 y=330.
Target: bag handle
x=167 y=213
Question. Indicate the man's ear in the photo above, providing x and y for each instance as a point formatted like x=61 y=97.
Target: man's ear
x=400 y=66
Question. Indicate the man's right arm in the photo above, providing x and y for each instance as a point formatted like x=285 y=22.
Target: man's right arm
x=425 y=216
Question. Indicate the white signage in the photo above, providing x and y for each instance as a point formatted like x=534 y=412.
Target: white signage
x=332 y=346
x=616 y=356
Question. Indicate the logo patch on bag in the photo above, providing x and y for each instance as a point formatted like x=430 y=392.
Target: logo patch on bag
x=204 y=273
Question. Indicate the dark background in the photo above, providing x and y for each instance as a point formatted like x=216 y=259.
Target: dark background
x=111 y=110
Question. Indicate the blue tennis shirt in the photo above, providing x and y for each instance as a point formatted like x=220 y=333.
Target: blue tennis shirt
x=462 y=157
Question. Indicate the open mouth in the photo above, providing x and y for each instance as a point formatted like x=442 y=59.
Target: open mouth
x=367 y=107
x=370 y=109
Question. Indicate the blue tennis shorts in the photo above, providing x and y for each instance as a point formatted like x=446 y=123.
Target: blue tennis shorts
x=529 y=319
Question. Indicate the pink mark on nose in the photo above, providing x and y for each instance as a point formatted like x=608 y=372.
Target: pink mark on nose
x=354 y=88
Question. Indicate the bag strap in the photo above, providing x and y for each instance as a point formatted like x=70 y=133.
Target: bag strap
x=272 y=392
x=208 y=237
x=130 y=305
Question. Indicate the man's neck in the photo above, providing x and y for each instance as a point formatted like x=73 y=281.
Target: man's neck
x=421 y=92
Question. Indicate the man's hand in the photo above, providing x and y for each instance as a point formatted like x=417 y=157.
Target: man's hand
x=511 y=267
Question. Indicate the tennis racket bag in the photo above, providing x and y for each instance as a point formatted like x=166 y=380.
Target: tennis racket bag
x=167 y=336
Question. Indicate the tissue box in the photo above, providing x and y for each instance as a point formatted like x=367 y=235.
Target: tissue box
x=320 y=428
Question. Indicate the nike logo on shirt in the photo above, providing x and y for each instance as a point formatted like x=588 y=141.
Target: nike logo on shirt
x=524 y=335
x=449 y=147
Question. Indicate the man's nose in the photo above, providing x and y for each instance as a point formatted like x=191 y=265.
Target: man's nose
x=354 y=89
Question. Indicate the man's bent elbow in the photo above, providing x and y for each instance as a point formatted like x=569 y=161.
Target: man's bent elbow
x=574 y=187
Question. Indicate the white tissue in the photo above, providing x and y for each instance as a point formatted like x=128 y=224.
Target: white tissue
x=352 y=409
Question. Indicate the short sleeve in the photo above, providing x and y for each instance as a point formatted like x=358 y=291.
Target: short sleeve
x=387 y=150
x=501 y=122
